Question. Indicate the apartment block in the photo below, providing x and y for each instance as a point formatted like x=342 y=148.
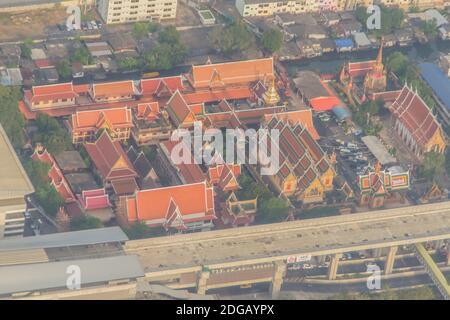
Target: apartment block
x=14 y=186
x=123 y=11
x=258 y=8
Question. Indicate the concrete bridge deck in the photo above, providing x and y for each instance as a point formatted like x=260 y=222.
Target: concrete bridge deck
x=268 y=243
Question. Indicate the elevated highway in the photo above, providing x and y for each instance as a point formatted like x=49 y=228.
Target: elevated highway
x=201 y=256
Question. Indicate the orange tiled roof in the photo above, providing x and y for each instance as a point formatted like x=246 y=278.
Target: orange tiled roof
x=415 y=115
x=218 y=95
x=153 y=86
x=191 y=173
x=303 y=116
x=92 y=119
x=110 y=159
x=113 y=89
x=155 y=204
x=230 y=73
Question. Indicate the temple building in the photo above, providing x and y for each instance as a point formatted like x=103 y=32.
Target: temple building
x=376 y=79
x=361 y=80
x=112 y=164
x=229 y=74
x=415 y=123
x=172 y=207
x=377 y=186
x=84 y=125
x=305 y=172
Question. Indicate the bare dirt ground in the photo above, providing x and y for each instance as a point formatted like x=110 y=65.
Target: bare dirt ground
x=30 y=24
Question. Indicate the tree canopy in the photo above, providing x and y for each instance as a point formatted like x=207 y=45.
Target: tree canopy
x=85 y=222
x=168 y=53
x=52 y=136
x=231 y=39
x=10 y=117
x=141 y=29
x=140 y=230
x=433 y=166
x=64 y=69
x=272 y=40
x=46 y=195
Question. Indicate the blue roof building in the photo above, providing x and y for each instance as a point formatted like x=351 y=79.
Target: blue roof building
x=438 y=82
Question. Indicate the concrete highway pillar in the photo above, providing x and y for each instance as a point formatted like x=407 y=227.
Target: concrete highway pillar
x=448 y=254
x=377 y=252
x=390 y=259
x=277 y=280
x=334 y=264
x=201 y=282
x=321 y=259
x=438 y=244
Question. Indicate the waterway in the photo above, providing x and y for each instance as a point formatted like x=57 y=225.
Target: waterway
x=333 y=62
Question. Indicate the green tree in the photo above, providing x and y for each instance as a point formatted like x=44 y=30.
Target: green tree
x=128 y=64
x=52 y=136
x=140 y=230
x=81 y=55
x=85 y=222
x=433 y=166
x=273 y=210
x=141 y=29
x=398 y=63
x=231 y=39
x=10 y=117
x=168 y=53
x=272 y=40
x=64 y=69
x=49 y=199
x=430 y=29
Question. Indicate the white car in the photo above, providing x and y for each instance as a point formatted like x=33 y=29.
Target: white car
x=307 y=266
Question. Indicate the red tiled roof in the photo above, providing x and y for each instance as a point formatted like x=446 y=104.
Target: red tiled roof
x=113 y=89
x=415 y=115
x=154 y=86
x=359 y=69
x=55 y=175
x=190 y=172
x=123 y=187
x=94 y=199
x=110 y=159
x=43 y=63
x=94 y=119
x=157 y=206
x=303 y=116
x=50 y=92
x=227 y=93
x=231 y=73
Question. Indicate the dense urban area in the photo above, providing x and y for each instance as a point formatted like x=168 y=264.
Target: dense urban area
x=88 y=178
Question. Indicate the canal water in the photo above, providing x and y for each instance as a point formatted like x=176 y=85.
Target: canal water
x=333 y=62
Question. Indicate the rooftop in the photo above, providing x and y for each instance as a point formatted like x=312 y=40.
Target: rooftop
x=66 y=239
x=14 y=181
x=53 y=275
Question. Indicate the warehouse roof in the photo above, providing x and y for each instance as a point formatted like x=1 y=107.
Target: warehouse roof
x=66 y=239
x=54 y=275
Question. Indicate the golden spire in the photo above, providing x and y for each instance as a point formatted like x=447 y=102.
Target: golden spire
x=380 y=54
x=271 y=95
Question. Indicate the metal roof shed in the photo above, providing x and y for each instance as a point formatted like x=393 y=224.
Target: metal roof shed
x=378 y=150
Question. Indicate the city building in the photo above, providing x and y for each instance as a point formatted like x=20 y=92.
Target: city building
x=111 y=162
x=123 y=11
x=415 y=123
x=377 y=187
x=305 y=172
x=84 y=125
x=259 y=8
x=14 y=187
x=228 y=74
x=55 y=175
x=172 y=207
